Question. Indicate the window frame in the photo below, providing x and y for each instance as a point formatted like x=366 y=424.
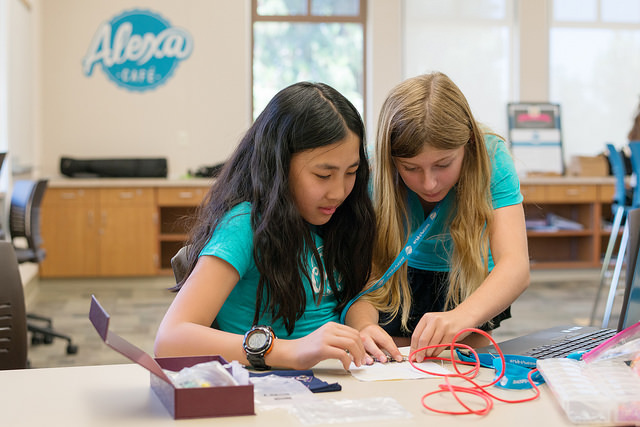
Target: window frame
x=598 y=23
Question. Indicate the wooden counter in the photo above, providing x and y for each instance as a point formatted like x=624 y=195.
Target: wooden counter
x=133 y=226
x=116 y=227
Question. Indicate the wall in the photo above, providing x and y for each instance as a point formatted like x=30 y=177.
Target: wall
x=196 y=118
x=199 y=115
x=533 y=50
x=20 y=51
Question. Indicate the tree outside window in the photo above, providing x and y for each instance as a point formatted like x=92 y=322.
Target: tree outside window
x=312 y=40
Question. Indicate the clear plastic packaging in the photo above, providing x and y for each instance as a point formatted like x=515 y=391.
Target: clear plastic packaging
x=208 y=374
x=606 y=391
x=342 y=411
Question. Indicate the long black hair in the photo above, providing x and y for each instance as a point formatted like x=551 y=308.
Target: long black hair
x=300 y=117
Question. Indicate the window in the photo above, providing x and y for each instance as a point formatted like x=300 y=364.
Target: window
x=471 y=42
x=594 y=62
x=315 y=40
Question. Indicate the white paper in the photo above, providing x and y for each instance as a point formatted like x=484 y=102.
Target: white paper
x=397 y=370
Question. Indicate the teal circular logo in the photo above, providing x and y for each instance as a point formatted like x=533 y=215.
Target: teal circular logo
x=138 y=50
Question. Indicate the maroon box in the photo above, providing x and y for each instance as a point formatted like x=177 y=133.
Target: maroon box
x=180 y=402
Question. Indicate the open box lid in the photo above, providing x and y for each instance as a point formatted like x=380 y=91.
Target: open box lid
x=100 y=320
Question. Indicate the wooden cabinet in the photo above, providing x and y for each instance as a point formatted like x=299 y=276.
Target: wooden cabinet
x=127 y=232
x=99 y=232
x=104 y=230
x=583 y=201
x=69 y=232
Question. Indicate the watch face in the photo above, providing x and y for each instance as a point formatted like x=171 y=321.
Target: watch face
x=256 y=340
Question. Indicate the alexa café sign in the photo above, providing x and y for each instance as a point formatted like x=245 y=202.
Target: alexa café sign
x=138 y=50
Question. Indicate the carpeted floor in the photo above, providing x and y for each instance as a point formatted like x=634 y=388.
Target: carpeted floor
x=137 y=306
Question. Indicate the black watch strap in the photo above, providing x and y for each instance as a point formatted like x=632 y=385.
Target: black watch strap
x=257 y=361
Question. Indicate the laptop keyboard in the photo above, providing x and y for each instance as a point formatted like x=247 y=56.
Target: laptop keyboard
x=580 y=342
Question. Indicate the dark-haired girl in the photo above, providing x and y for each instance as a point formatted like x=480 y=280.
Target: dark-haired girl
x=283 y=240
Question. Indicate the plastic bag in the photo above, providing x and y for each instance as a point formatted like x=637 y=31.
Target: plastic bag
x=207 y=374
x=624 y=346
x=334 y=411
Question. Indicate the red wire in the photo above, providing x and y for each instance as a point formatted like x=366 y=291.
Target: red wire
x=475 y=389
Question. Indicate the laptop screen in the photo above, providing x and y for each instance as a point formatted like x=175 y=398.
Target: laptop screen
x=630 y=310
x=630 y=314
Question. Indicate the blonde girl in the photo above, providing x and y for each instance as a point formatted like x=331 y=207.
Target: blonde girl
x=473 y=261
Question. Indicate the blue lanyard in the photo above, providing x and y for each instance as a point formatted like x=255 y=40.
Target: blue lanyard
x=412 y=243
x=517 y=369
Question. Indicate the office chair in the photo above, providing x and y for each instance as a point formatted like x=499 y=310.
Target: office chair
x=3 y=155
x=634 y=147
x=24 y=219
x=179 y=264
x=13 y=318
x=24 y=228
x=180 y=267
x=620 y=206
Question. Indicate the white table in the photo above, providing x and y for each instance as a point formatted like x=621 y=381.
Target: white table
x=119 y=395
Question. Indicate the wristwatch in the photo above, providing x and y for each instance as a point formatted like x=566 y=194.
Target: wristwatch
x=258 y=342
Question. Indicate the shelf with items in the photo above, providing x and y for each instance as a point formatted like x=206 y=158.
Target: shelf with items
x=564 y=217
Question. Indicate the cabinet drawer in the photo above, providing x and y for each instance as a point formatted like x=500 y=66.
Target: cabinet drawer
x=533 y=193
x=126 y=196
x=606 y=193
x=69 y=197
x=181 y=196
x=572 y=193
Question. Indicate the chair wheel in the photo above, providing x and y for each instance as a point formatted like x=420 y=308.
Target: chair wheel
x=48 y=339
x=36 y=340
x=72 y=349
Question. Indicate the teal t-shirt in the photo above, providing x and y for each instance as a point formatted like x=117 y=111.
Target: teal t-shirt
x=433 y=253
x=232 y=241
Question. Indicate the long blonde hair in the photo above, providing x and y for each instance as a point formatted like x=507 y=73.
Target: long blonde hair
x=430 y=110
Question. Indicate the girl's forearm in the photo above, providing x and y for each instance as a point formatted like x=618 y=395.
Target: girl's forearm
x=361 y=314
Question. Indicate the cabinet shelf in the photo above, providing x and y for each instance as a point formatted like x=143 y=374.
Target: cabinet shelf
x=176 y=209
x=173 y=237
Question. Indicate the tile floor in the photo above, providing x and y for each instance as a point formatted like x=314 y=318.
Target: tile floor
x=137 y=305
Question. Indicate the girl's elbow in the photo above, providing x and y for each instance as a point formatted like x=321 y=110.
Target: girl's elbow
x=159 y=349
x=162 y=346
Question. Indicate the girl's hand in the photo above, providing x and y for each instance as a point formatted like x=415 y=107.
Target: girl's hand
x=379 y=344
x=436 y=328
x=330 y=341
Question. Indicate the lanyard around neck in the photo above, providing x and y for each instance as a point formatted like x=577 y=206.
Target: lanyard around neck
x=412 y=243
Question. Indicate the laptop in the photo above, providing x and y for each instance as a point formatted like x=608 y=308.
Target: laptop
x=560 y=341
